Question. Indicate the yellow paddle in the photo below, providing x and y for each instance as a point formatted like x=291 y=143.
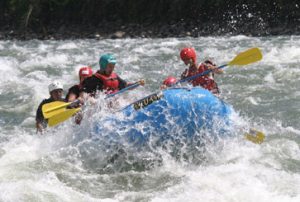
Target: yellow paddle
x=255 y=136
x=244 y=58
x=57 y=107
x=54 y=108
x=61 y=117
x=247 y=57
x=57 y=111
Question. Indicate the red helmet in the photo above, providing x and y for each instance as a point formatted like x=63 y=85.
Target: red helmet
x=188 y=53
x=169 y=81
x=85 y=72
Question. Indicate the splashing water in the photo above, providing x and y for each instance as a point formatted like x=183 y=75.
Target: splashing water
x=69 y=164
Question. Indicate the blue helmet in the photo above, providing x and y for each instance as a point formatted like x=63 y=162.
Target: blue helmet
x=106 y=59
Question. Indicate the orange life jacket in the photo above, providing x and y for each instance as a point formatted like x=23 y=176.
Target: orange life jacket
x=206 y=81
x=110 y=83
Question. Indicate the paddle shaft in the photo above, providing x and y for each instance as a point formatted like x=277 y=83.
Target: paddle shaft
x=61 y=117
x=53 y=110
x=198 y=75
x=247 y=57
x=180 y=81
x=124 y=89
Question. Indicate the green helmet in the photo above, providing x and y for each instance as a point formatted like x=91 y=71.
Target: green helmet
x=106 y=59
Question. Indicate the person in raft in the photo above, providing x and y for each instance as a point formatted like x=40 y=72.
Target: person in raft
x=188 y=56
x=56 y=93
x=105 y=79
x=168 y=82
x=75 y=91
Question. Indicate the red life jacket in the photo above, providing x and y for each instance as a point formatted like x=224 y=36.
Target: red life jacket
x=110 y=83
x=206 y=81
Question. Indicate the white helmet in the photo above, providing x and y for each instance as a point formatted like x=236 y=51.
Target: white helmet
x=54 y=86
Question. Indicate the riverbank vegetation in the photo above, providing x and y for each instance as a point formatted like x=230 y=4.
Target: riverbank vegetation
x=144 y=18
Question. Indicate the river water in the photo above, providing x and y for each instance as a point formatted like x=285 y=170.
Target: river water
x=64 y=164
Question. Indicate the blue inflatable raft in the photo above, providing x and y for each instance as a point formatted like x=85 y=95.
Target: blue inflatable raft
x=172 y=114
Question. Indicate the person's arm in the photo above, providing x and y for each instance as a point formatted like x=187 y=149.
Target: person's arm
x=184 y=74
x=39 y=127
x=40 y=121
x=91 y=85
x=141 y=82
x=212 y=66
x=163 y=86
x=122 y=83
x=86 y=98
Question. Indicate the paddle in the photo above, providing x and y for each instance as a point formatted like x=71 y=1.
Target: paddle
x=56 y=107
x=247 y=57
x=57 y=111
x=255 y=136
x=60 y=117
x=132 y=86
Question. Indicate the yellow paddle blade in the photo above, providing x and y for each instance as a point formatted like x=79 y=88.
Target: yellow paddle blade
x=58 y=118
x=255 y=136
x=53 y=108
x=51 y=113
x=247 y=57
